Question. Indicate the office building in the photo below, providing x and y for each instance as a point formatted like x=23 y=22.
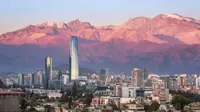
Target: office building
x=21 y=79
x=118 y=90
x=55 y=84
x=137 y=78
x=128 y=92
x=73 y=59
x=48 y=71
x=198 y=82
x=31 y=79
x=165 y=79
x=65 y=78
x=103 y=74
x=60 y=75
x=145 y=72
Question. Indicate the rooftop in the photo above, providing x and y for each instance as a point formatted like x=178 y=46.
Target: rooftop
x=10 y=92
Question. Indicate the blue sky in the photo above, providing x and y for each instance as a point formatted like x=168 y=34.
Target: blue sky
x=15 y=14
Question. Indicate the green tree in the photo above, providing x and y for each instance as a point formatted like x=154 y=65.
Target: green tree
x=74 y=89
x=23 y=104
x=147 y=108
x=64 y=98
x=178 y=106
x=179 y=101
x=47 y=108
x=70 y=102
x=88 y=97
x=154 y=106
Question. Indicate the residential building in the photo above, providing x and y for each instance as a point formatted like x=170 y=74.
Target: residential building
x=137 y=78
x=118 y=90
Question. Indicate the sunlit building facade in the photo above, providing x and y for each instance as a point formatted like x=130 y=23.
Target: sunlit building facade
x=73 y=59
x=21 y=79
x=48 y=71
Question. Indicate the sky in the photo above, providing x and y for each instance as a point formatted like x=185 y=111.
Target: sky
x=16 y=14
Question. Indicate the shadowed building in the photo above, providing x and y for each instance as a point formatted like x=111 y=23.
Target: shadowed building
x=10 y=101
x=103 y=74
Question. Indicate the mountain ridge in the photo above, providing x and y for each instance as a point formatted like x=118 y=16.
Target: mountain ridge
x=170 y=43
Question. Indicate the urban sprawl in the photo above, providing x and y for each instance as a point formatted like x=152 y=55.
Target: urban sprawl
x=51 y=90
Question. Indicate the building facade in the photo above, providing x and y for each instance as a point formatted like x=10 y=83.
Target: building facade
x=73 y=59
x=21 y=79
x=137 y=78
x=48 y=71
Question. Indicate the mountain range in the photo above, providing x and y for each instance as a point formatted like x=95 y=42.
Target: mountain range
x=166 y=43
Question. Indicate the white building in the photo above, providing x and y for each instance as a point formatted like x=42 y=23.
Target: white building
x=65 y=78
x=198 y=82
x=128 y=92
x=82 y=78
x=118 y=90
x=137 y=78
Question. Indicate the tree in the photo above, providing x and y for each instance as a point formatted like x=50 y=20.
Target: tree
x=60 y=106
x=179 y=101
x=74 y=89
x=113 y=105
x=154 y=106
x=70 y=102
x=177 y=106
x=47 y=108
x=23 y=104
x=147 y=108
x=88 y=100
x=64 y=98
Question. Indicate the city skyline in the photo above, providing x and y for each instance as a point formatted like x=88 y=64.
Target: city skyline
x=98 y=13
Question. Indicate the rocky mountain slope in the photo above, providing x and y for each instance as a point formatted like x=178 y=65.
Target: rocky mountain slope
x=167 y=43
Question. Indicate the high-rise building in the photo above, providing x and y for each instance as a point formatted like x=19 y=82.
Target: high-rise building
x=118 y=90
x=65 y=78
x=48 y=71
x=60 y=75
x=198 y=82
x=137 y=78
x=73 y=59
x=21 y=79
x=31 y=79
x=103 y=74
x=145 y=74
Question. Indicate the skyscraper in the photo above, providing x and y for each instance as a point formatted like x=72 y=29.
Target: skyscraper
x=31 y=79
x=21 y=79
x=145 y=74
x=48 y=71
x=137 y=78
x=103 y=74
x=73 y=59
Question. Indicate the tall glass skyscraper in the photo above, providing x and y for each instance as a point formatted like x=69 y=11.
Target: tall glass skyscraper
x=21 y=79
x=73 y=59
x=48 y=71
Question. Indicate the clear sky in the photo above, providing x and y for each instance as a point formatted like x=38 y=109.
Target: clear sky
x=15 y=14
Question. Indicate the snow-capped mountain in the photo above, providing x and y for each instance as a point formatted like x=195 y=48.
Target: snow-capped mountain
x=169 y=42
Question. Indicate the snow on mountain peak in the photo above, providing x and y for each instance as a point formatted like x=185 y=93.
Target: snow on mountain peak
x=179 y=17
x=54 y=24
